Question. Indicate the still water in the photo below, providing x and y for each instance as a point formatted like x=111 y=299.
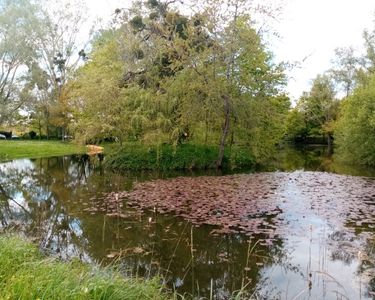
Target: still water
x=317 y=242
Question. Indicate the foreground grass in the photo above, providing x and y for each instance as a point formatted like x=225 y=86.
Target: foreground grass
x=26 y=274
x=12 y=149
x=167 y=157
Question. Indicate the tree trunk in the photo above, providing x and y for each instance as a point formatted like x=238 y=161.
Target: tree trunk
x=219 y=162
x=206 y=130
x=40 y=128
x=48 y=132
x=232 y=135
x=330 y=144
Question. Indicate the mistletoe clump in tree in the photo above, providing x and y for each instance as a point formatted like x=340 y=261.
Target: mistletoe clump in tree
x=160 y=77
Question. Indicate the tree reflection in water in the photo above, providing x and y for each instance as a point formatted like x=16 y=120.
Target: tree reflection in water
x=56 y=194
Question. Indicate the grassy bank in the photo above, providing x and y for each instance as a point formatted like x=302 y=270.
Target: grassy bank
x=12 y=149
x=167 y=157
x=26 y=274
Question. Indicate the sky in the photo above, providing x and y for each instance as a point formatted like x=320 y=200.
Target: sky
x=312 y=29
x=309 y=30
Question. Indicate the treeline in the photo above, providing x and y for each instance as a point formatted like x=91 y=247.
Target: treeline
x=164 y=75
x=340 y=106
x=155 y=77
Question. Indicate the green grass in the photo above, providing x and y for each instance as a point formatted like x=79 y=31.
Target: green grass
x=12 y=149
x=166 y=157
x=26 y=274
x=134 y=156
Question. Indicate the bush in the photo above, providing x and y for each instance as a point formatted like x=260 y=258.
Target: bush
x=168 y=157
x=355 y=129
x=32 y=135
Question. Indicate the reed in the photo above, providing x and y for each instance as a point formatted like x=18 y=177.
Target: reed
x=26 y=274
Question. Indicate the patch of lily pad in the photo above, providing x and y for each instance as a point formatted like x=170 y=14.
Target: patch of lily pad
x=263 y=205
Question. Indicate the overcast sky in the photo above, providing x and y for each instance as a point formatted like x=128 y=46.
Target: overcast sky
x=308 y=28
x=314 y=28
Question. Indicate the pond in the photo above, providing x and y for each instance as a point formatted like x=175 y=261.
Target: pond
x=301 y=229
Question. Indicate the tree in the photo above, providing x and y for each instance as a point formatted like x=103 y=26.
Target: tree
x=319 y=109
x=18 y=23
x=174 y=79
x=95 y=94
x=367 y=61
x=59 y=54
x=355 y=133
x=345 y=69
x=369 y=58
x=296 y=125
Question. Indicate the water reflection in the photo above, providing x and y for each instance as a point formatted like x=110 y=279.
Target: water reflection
x=315 y=158
x=52 y=195
x=48 y=199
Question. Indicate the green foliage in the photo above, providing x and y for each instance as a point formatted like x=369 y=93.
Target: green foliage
x=99 y=84
x=18 y=50
x=238 y=158
x=355 y=135
x=26 y=274
x=174 y=79
x=263 y=126
x=153 y=3
x=166 y=157
x=318 y=102
x=137 y=23
x=296 y=127
x=316 y=111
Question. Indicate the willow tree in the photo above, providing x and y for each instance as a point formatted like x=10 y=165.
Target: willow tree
x=102 y=107
x=230 y=92
x=144 y=46
x=203 y=78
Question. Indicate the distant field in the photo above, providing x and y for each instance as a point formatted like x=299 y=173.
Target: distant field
x=11 y=149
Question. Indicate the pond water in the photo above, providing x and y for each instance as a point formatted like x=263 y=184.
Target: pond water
x=302 y=230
